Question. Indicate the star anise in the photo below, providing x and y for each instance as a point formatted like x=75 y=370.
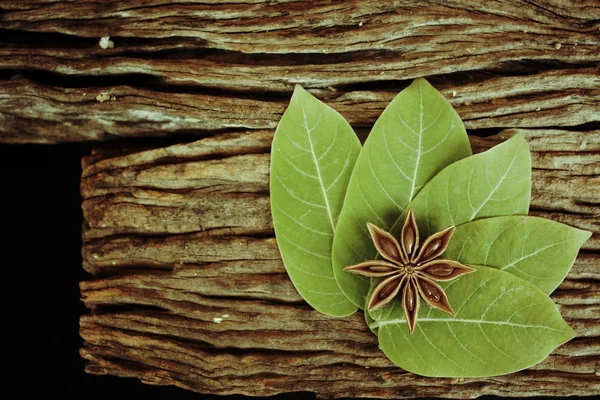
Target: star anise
x=410 y=269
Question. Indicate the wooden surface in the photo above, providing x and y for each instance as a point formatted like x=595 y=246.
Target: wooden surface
x=178 y=236
x=187 y=287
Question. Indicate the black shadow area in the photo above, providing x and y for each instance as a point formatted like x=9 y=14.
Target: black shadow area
x=40 y=216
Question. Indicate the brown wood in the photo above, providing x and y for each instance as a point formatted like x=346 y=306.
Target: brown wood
x=177 y=239
x=31 y=112
x=291 y=26
x=187 y=287
x=189 y=68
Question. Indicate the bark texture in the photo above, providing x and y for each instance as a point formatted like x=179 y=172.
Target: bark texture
x=187 y=286
x=188 y=269
x=190 y=67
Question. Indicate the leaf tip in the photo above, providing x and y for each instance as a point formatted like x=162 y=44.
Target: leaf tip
x=299 y=92
x=584 y=235
x=298 y=88
x=421 y=81
x=519 y=141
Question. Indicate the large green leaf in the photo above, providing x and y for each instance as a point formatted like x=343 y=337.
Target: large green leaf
x=502 y=324
x=416 y=136
x=313 y=153
x=538 y=250
x=496 y=182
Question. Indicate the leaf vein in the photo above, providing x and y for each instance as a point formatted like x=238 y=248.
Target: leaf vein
x=502 y=178
x=312 y=152
x=295 y=196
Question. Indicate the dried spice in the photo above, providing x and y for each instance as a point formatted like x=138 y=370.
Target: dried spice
x=410 y=270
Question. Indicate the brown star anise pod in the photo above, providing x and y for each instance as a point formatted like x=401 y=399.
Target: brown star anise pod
x=409 y=269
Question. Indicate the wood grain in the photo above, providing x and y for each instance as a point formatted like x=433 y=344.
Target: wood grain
x=188 y=269
x=250 y=26
x=186 y=68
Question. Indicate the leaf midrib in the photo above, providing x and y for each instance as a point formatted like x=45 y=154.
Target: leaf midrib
x=320 y=178
x=525 y=257
x=469 y=321
x=418 y=160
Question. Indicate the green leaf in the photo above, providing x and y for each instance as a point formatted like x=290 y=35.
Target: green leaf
x=371 y=323
x=496 y=182
x=416 y=136
x=538 y=250
x=502 y=324
x=312 y=156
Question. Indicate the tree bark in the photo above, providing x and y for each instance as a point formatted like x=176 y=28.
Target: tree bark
x=192 y=68
x=187 y=269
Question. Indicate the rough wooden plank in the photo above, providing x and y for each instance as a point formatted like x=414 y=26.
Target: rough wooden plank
x=426 y=27
x=31 y=112
x=182 y=280
x=204 y=65
x=273 y=373
x=306 y=340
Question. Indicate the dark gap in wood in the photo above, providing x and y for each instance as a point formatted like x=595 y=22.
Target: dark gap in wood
x=53 y=79
x=563 y=211
x=135 y=80
x=126 y=268
x=47 y=40
x=484 y=132
x=124 y=307
x=587 y=203
x=55 y=40
x=588 y=253
x=590 y=281
x=583 y=341
x=447 y=81
x=180 y=48
x=526 y=66
x=123 y=271
x=122 y=363
x=588 y=126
